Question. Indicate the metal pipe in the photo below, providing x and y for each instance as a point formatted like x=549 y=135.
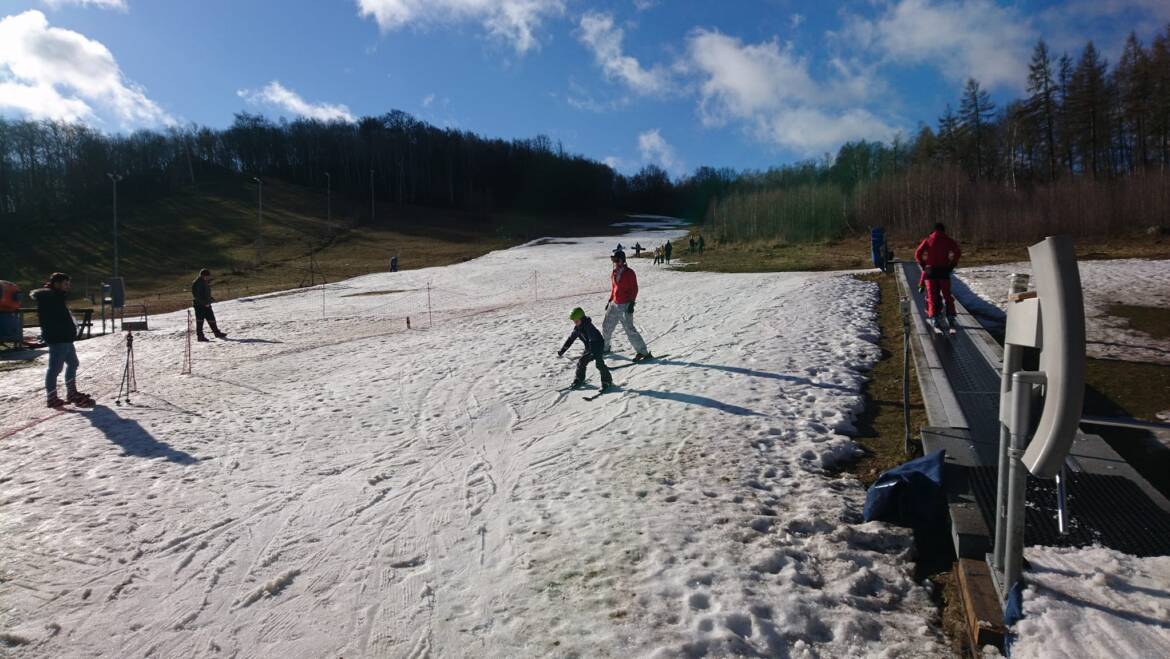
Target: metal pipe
x=1013 y=357
x=1123 y=422
x=1021 y=431
x=1061 y=502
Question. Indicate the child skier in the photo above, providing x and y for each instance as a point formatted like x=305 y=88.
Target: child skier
x=594 y=349
x=938 y=255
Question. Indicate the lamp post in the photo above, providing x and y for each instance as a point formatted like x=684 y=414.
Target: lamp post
x=114 y=178
x=328 y=199
x=371 y=196
x=259 y=217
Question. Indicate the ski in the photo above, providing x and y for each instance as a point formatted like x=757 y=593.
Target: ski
x=644 y=361
x=604 y=390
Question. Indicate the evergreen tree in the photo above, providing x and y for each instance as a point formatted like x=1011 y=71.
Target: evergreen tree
x=975 y=113
x=1042 y=102
x=1088 y=105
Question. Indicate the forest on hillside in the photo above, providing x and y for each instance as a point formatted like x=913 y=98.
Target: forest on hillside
x=1087 y=152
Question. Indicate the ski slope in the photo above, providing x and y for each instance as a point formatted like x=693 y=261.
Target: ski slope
x=329 y=483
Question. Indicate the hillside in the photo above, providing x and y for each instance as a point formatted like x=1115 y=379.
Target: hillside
x=163 y=243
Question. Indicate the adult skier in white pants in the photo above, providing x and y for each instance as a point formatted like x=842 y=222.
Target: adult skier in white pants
x=620 y=308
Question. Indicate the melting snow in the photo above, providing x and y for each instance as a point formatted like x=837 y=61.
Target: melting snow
x=329 y=483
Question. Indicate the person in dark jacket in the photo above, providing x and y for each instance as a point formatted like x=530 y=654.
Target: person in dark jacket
x=666 y=251
x=59 y=331
x=201 y=294
x=594 y=348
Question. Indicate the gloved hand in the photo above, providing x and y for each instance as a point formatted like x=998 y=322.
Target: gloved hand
x=630 y=307
x=921 y=287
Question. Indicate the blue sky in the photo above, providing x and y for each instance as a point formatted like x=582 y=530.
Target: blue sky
x=742 y=84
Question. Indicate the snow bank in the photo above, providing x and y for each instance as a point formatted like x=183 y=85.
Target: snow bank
x=329 y=483
x=1094 y=602
x=1140 y=282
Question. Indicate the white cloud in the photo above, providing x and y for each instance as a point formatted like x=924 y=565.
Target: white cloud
x=427 y=100
x=972 y=38
x=812 y=131
x=645 y=5
x=53 y=73
x=795 y=20
x=100 y=4
x=277 y=95
x=655 y=149
x=770 y=91
x=514 y=21
x=601 y=36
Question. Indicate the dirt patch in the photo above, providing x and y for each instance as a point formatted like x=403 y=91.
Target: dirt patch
x=370 y=293
x=1154 y=321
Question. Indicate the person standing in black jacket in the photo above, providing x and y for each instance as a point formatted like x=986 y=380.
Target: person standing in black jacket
x=201 y=294
x=594 y=349
x=59 y=331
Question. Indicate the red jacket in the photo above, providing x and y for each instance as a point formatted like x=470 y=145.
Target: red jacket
x=939 y=251
x=624 y=286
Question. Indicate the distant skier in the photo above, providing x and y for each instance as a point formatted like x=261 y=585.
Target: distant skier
x=658 y=255
x=701 y=243
x=692 y=242
x=666 y=250
x=638 y=249
x=59 y=331
x=620 y=308
x=201 y=300
x=938 y=255
x=594 y=349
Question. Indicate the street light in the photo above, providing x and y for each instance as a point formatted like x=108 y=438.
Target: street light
x=259 y=217
x=114 y=178
x=328 y=198
x=371 y=196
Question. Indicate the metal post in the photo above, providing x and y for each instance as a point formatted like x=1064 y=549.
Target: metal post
x=1013 y=559
x=259 y=217
x=1062 y=501
x=1012 y=360
x=114 y=178
x=371 y=196
x=904 y=305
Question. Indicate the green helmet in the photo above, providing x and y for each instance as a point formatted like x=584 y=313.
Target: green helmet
x=577 y=314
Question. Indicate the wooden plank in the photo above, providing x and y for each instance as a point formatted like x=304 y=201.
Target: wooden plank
x=980 y=604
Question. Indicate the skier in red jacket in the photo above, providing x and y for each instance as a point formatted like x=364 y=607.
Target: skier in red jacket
x=623 y=292
x=938 y=255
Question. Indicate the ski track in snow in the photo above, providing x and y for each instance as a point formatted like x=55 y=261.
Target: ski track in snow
x=341 y=486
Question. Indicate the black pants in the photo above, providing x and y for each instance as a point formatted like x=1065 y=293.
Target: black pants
x=597 y=358
x=202 y=314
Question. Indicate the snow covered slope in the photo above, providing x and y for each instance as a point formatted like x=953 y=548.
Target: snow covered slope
x=1124 y=281
x=328 y=483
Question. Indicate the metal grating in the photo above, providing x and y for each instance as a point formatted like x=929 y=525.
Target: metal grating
x=1111 y=511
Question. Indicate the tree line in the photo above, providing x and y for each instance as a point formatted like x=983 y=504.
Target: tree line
x=1086 y=152
x=1086 y=131
x=55 y=170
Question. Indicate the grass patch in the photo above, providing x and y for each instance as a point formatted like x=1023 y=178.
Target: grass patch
x=1154 y=321
x=164 y=243
x=881 y=426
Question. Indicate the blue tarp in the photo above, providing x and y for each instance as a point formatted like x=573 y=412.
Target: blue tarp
x=877 y=247
x=910 y=494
